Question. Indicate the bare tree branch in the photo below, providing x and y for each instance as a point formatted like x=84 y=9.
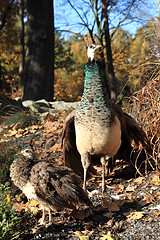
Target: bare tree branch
x=123 y=18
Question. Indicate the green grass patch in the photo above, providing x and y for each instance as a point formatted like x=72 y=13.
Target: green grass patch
x=26 y=119
x=12 y=224
x=6 y=156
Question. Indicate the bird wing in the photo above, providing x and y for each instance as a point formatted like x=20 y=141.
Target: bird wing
x=72 y=158
x=44 y=190
x=130 y=132
x=130 y=128
x=57 y=187
x=68 y=185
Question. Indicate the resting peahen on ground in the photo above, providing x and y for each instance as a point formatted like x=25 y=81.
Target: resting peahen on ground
x=54 y=187
x=98 y=129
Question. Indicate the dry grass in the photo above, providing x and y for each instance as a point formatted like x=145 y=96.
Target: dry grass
x=144 y=107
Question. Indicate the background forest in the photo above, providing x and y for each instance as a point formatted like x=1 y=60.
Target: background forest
x=135 y=56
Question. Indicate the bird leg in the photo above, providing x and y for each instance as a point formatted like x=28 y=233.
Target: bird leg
x=86 y=160
x=110 y=165
x=43 y=217
x=103 y=162
x=85 y=177
x=50 y=217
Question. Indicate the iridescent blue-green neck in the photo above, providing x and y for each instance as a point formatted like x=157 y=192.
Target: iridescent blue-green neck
x=94 y=86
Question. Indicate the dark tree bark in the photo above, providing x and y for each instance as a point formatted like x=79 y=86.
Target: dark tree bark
x=0 y=76
x=22 y=44
x=111 y=75
x=38 y=81
x=5 y=9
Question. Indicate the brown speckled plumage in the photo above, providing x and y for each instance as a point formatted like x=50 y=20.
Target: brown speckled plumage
x=55 y=187
x=59 y=186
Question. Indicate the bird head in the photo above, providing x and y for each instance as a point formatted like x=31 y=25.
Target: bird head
x=28 y=153
x=91 y=51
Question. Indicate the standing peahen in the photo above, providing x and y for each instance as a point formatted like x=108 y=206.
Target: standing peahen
x=54 y=187
x=98 y=129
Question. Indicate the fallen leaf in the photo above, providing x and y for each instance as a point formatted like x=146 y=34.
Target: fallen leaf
x=148 y=198
x=108 y=214
x=33 y=210
x=88 y=225
x=3 y=146
x=32 y=203
x=108 y=224
x=139 y=180
x=120 y=202
x=107 y=237
x=156 y=207
x=156 y=212
x=20 y=131
x=119 y=188
x=130 y=189
x=93 y=193
x=49 y=124
x=17 y=126
x=133 y=216
x=12 y=147
x=148 y=219
x=118 y=197
x=26 y=132
x=19 y=135
x=81 y=213
x=8 y=200
x=55 y=147
x=112 y=206
x=32 y=131
x=158 y=195
x=81 y=235
x=128 y=195
x=33 y=127
x=19 y=206
x=155 y=179
x=11 y=133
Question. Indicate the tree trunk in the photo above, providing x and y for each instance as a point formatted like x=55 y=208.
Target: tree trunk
x=22 y=47
x=39 y=75
x=0 y=76
x=111 y=76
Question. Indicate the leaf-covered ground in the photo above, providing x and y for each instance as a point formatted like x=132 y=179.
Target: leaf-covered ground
x=129 y=208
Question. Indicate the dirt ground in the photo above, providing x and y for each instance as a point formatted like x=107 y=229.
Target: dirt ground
x=128 y=210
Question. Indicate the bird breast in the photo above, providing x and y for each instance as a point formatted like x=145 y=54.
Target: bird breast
x=29 y=191
x=96 y=138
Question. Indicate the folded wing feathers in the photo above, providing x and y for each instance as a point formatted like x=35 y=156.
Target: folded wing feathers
x=58 y=186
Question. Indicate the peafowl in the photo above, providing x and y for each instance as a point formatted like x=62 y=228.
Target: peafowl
x=98 y=130
x=54 y=187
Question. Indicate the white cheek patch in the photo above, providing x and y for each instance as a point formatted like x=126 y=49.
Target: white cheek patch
x=90 y=53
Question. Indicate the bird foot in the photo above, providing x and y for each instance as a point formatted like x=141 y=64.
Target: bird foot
x=93 y=193
x=48 y=224
x=44 y=224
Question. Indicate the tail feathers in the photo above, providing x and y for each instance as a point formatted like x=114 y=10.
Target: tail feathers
x=136 y=133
